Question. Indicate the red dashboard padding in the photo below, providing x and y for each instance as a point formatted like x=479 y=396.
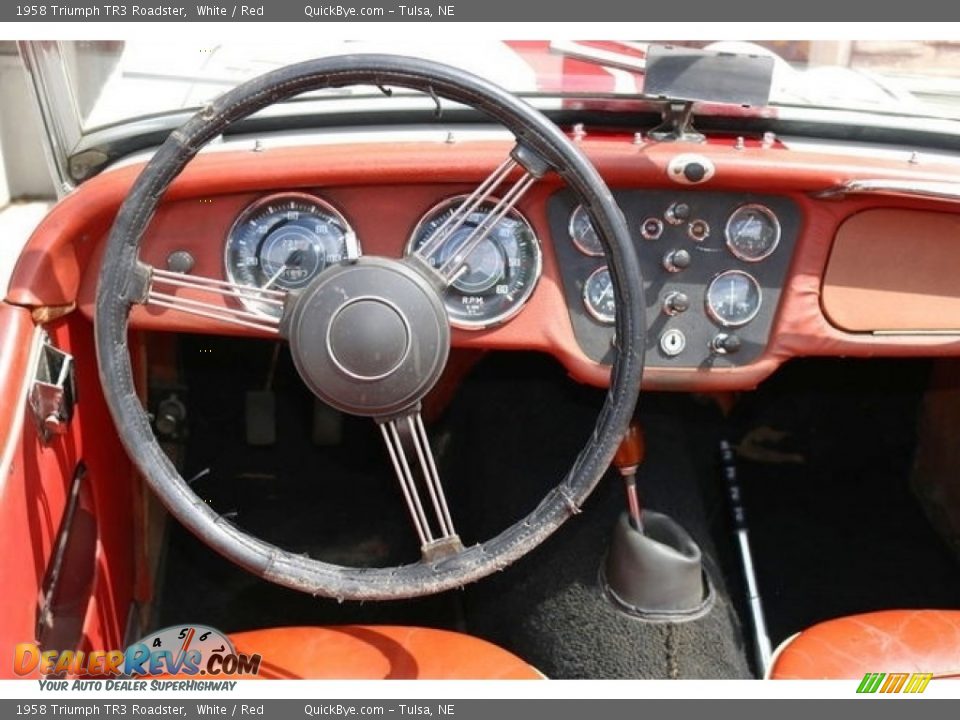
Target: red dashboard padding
x=362 y=652
x=891 y=641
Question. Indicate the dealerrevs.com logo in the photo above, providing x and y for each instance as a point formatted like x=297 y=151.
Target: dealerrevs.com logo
x=183 y=650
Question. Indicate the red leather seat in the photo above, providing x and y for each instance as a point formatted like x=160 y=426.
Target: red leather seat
x=925 y=641
x=378 y=652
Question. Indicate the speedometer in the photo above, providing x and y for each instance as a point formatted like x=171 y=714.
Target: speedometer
x=499 y=275
x=283 y=241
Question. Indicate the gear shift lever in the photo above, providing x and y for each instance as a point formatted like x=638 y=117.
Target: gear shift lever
x=653 y=569
x=630 y=454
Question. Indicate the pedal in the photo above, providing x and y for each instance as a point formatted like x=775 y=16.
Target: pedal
x=327 y=425
x=261 y=417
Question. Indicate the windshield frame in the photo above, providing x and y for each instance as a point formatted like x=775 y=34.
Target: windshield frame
x=75 y=155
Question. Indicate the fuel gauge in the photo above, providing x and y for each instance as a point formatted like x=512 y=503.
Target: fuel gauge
x=598 y=296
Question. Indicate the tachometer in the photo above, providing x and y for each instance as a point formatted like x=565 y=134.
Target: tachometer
x=284 y=241
x=499 y=275
x=753 y=232
x=733 y=298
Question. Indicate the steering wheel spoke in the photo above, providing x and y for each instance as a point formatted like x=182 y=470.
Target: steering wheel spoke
x=163 y=288
x=412 y=458
x=449 y=269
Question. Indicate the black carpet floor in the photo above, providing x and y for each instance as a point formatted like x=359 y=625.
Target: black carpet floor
x=510 y=435
x=835 y=528
x=549 y=607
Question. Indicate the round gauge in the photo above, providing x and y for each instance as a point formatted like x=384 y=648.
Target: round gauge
x=582 y=233
x=282 y=242
x=188 y=648
x=733 y=298
x=598 y=296
x=499 y=275
x=753 y=232
x=189 y=637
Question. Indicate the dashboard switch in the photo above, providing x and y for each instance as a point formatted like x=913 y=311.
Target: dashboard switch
x=677 y=214
x=675 y=303
x=724 y=344
x=676 y=260
x=694 y=172
x=690 y=169
x=180 y=261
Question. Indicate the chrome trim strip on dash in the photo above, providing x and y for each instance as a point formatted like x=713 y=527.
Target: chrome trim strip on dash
x=931 y=190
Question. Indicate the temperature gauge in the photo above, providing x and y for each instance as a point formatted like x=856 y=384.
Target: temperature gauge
x=598 y=296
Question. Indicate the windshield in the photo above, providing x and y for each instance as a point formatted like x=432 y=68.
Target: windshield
x=115 y=82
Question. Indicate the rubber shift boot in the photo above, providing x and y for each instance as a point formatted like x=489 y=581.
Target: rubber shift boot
x=657 y=575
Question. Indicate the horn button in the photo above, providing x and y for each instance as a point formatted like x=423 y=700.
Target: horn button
x=369 y=338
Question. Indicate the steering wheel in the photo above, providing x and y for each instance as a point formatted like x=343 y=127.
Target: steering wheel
x=370 y=335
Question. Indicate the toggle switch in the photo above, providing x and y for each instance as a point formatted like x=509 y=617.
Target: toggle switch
x=675 y=303
x=725 y=344
x=676 y=260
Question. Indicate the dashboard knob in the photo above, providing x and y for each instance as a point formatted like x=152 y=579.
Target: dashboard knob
x=180 y=261
x=725 y=344
x=676 y=260
x=675 y=303
x=677 y=213
x=632 y=450
x=694 y=172
x=171 y=412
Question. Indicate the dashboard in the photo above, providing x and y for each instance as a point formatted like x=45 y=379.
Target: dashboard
x=714 y=264
x=739 y=264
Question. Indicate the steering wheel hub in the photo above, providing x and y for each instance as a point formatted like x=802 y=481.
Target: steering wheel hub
x=369 y=338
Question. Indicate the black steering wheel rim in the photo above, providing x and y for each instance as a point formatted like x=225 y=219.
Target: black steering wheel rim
x=121 y=285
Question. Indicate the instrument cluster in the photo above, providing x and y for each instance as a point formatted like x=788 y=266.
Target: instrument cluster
x=285 y=240
x=713 y=264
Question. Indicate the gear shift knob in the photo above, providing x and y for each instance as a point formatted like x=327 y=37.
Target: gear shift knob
x=632 y=450
x=629 y=455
